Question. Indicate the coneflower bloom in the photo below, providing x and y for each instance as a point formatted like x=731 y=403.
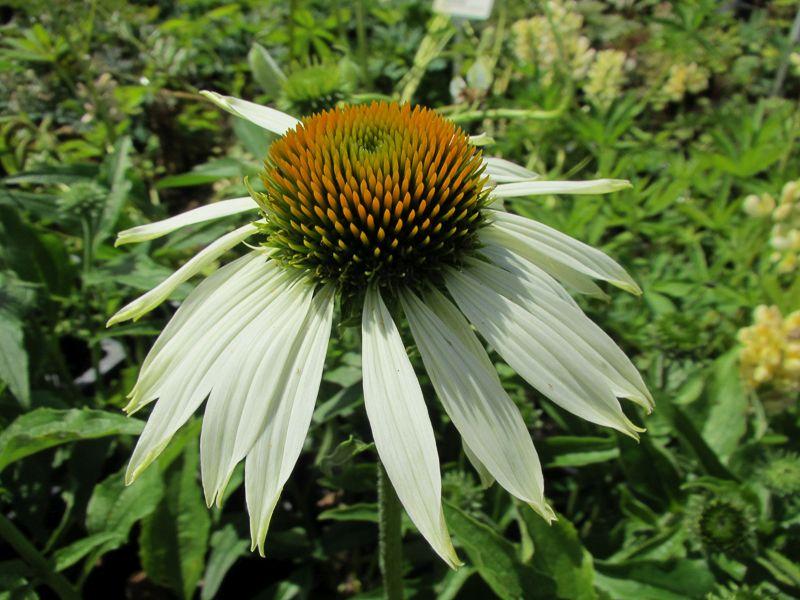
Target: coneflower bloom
x=382 y=206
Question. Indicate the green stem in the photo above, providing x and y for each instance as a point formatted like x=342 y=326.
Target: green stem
x=57 y=582
x=391 y=541
x=505 y=113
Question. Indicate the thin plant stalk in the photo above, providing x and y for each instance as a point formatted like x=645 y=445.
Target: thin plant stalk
x=390 y=540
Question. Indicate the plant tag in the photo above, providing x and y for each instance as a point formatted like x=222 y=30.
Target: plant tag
x=468 y=9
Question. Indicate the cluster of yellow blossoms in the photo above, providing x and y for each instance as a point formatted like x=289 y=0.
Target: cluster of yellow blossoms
x=771 y=350
x=542 y=40
x=683 y=78
x=785 y=236
x=605 y=78
x=554 y=39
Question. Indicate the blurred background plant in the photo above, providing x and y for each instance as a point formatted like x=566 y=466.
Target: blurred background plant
x=694 y=101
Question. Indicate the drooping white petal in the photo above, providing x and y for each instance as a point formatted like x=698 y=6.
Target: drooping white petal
x=216 y=210
x=189 y=379
x=536 y=277
x=534 y=240
x=540 y=188
x=505 y=171
x=400 y=425
x=263 y=116
x=483 y=473
x=467 y=383
x=214 y=312
x=147 y=302
x=573 y=279
x=271 y=460
x=534 y=350
x=243 y=398
x=567 y=321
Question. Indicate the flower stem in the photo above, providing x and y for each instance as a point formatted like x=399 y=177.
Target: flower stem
x=55 y=580
x=390 y=541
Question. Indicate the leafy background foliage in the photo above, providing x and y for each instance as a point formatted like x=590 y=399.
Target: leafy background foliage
x=102 y=129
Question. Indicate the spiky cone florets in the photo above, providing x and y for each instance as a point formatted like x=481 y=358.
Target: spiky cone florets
x=381 y=192
x=722 y=524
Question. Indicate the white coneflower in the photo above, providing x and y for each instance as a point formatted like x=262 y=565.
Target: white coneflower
x=369 y=203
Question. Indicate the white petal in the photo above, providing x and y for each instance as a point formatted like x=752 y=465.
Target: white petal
x=536 y=277
x=540 y=188
x=468 y=385
x=573 y=279
x=209 y=212
x=196 y=362
x=505 y=171
x=531 y=347
x=532 y=239
x=400 y=425
x=271 y=460
x=147 y=302
x=263 y=116
x=216 y=310
x=243 y=399
x=576 y=330
x=483 y=473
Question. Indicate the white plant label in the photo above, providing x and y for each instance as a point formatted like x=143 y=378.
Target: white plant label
x=468 y=9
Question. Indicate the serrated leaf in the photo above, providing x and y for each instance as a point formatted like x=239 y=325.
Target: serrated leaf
x=47 y=427
x=172 y=544
x=114 y=507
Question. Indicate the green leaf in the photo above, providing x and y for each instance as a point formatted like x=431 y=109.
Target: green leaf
x=266 y=72
x=782 y=568
x=669 y=580
x=14 y=358
x=56 y=175
x=495 y=558
x=705 y=455
x=558 y=552
x=69 y=555
x=576 y=451
x=172 y=544
x=119 y=185
x=114 y=507
x=650 y=469
x=726 y=422
x=363 y=511
x=255 y=139
x=226 y=547
x=34 y=256
x=343 y=454
x=47 y=427
x=214 y=170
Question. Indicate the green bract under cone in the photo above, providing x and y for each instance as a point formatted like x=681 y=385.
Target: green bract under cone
x=373 y=192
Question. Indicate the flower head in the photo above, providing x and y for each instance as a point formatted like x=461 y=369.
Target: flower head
x=378 y=192
x=368 y=202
